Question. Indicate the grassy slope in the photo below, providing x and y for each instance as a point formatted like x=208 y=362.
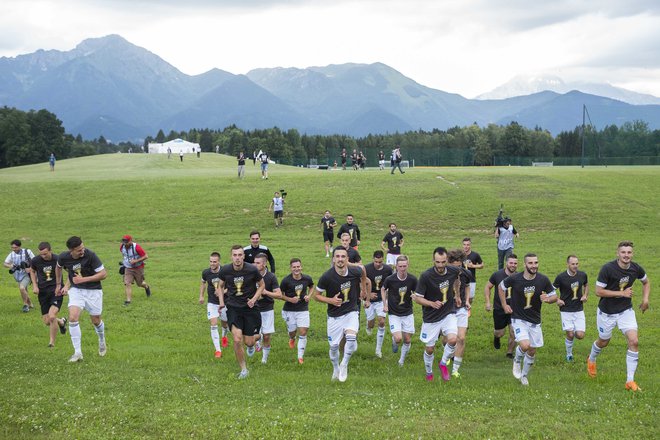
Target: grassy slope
x=160 y=379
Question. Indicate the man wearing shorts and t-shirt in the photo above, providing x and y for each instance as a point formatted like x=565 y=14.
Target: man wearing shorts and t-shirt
x=341 y=288
x=456 y=258
x=614 y=287
x=435 y=293
x=83 y=286
x=529 y=289
x=397 y=294
x=43 y=284
x=391 y=244
x=328 y=224
x=295 y=289
x=500 y=319
x=377 y=272
x=266 y=305
x=472 y=262
x=277 y=206
x=573 y=291
x=133 y=257
x=244 y=287
x=211 y=283
x=18 y=262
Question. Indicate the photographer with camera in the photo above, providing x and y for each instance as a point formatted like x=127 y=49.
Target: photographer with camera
x=133 y=257
x=18 y=263
x=504 y=233
x=277 y=206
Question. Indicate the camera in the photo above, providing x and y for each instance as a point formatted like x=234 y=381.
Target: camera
x=283 y=193
x=122 y=268
x=20 y=266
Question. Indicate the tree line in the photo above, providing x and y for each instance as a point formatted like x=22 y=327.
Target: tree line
x=30 y=137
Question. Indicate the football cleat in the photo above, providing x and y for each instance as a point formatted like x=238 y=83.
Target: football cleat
x=218 y=354
x=395 y=346
x=76 y=357
x=225 y=342
x=445 y=372
x=379 y=354
x=292 y=343
x=517 y=369
x=300 y=361
x=243 y=374
x=524 y=381
x=455 y=374
x=569 y=358
x=429 y=377
x=103 y=349
x=632 y=386
x=63 y=326
x=343 y=373
x=591 y=367
x=496 y=343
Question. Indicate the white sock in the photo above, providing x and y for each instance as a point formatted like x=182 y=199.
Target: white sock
x=380 y=335
x=595 y=351
x=405 y=348
x=569 y=347
x=76 y=335
x=334 y=356
x=100 y=331
x=631 y=364
x=428 y=362
x=527 y=364
x=349 y=348
x=447 y=353
x=265 y=351
x=302 y=344
x=457 y=364
x=215 y=337
x=519 y=354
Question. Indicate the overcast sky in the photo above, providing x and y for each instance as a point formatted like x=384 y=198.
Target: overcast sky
x=462 y=46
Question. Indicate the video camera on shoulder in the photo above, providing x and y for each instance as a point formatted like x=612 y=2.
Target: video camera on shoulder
x=283 y=193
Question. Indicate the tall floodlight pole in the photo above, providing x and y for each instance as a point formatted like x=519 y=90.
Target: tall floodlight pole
x=584 y=111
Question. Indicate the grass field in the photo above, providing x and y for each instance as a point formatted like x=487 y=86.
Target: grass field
x=160 y=379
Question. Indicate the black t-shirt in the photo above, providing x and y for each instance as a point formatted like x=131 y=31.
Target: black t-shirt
x=267 y=303
x=377 y=278
x=353 y=230
x=347 y=286
x=526 y=295
x=399 y=294
x=212 y=280
x=393 y=242
x=87 y=265
x=495 y=279
x=291 y=287
x=570 y=290
x=45 y=272
x=433 y=287
x=241 y=284
x=474 y=258
x=353 y=255
x=327 y=224
x=612 y=277
x=241 y=159
x=252 y=252
x=465 y=279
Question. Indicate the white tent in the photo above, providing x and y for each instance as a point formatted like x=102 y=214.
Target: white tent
x=176 y=145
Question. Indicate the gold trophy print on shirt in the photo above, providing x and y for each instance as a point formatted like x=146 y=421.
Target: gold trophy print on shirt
x=574 y=287
x=77 y=269
x=378 y=280
x=623 y=282
x=529 y=294
x=298 y=289
x=444 y=288
x=394 y=239
x=238 y=282
x=47 y=271
x=402 y=294
x=345 y=289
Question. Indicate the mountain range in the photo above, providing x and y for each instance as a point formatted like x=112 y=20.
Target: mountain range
x=108 y=86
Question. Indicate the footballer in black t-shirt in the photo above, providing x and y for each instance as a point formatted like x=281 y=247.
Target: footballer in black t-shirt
x=377 y=272
x=296 y=288
x=573 y=288
x=392 y=242
x=211 y=283
x=43 y=284
x=397 y=293
x=266 y=305
x=296 y=292
x=500 y=319
x=352 y=230
x=529 y=289
x=614 y=286
x=328 y=224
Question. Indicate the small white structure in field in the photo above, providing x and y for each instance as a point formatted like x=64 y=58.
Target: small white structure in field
x=175 y=146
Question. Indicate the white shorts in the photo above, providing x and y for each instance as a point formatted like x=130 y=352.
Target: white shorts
x=525 y=330
x=391 y=259
x=625 y=321
x=473 y=289
x=405 y=324
x=375 y=309
x=295 y=320
x=268 y=322
x=87 y=299
x=212 y=312
x=431 y=330
x=462 y=317
x=338 y=326
x=573 y=321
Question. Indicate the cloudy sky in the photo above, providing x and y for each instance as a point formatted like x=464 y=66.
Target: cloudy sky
x=462 y=46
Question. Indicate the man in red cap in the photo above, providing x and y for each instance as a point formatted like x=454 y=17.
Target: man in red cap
x=133 y=265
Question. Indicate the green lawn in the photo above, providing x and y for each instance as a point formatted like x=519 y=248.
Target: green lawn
x=160 y=379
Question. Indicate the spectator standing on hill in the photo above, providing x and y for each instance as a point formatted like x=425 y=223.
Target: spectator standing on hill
x=241 y=164
x=18 y=262
x=263 y=158
x=504 y=235
x=51 y=161
x=396 y=160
